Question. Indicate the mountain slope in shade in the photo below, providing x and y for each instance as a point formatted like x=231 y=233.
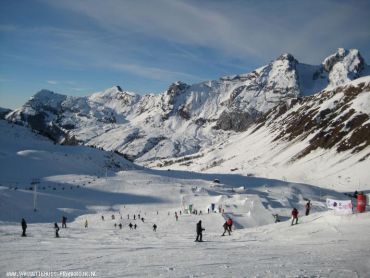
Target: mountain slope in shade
x=185 y=118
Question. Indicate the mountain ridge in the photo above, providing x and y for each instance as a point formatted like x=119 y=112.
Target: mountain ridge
x=185 y=118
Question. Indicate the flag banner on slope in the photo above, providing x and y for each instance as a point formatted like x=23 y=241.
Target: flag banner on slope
x=340 y=206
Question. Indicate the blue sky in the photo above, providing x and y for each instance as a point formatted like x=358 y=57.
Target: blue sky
x=80 y=47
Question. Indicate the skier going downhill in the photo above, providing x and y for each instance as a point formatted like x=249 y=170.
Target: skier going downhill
x=226 y=229
x=229 y=224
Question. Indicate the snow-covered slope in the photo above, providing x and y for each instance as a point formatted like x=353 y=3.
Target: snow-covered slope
x=185 y=118
x=84 y=184
x=323 y=139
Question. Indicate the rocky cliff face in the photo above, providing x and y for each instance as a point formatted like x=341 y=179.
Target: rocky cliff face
x=185 y=118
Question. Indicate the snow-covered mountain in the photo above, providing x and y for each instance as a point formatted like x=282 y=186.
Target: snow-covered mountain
x=184 y=119
x=322 y=139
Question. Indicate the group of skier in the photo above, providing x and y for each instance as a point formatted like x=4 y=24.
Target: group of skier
x=199 y=229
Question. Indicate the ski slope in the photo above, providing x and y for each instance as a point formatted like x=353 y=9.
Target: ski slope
x=84 y=183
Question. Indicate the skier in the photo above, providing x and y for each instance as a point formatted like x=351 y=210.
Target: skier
x=276 y=217
x=355 y=194
x=226 y=229
x=64 y=222
x=294 y=216
x=154 y=227
x=176 y=216
x=135 y=226
x=134 y=217
x=120 y=225
x=102 y=217
x=24 y=227
x=142 y=219
x=113 y=217
x=128 y=216
x=229 y=224
x=115 y=225
x=200 y=229
x=130 y=225
x=138 y=216
x=86 y=224
x=308 y=207
x=56 y=227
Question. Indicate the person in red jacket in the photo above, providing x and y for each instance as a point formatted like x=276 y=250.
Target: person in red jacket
x=294 y=216
x=229 y=223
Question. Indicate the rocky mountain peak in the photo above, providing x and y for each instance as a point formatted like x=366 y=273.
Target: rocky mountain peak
x=46 y=98
x=287 y=56
x=177 y=87
x=343 y=66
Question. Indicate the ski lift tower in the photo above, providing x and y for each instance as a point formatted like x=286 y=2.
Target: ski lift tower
x=35 y=182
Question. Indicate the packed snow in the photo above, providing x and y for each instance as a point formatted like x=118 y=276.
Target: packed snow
x=85 y=184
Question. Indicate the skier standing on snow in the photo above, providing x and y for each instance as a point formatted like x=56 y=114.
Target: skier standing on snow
x=64 y=222
x=120 y=225
x=294 y=216
x=102 y=217
x=135 y=226
x=86 y=224
x=226 y=229
x=56 y=227
x=200 y=229
x=308 y=207
x=24 y=227
x=130 y=225
x=154 y=227
x=176 y=216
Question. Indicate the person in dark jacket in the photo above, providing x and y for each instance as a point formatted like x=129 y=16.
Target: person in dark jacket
x=64 y=222
x=308 y=207
x=200 y=229
x=154 y=227
x=56 y=227
x=24 y=227
x=294 y=216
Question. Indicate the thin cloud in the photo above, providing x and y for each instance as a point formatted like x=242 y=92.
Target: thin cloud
x=154 y=73
x=237 y=28
x=52 y=82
